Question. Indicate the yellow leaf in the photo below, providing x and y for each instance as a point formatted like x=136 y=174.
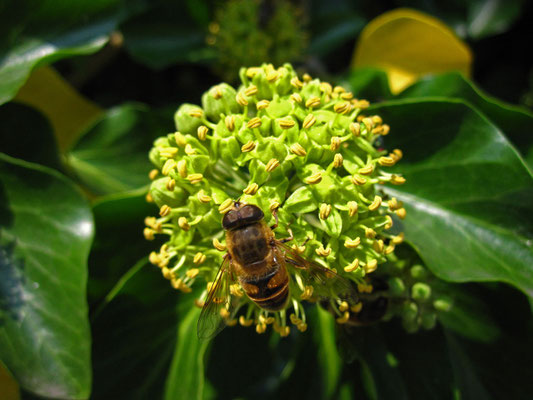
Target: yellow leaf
x=9 y=388
x=68 y=111
x=408 y=44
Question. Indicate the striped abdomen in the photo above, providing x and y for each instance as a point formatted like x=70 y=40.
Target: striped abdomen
x=270 y=291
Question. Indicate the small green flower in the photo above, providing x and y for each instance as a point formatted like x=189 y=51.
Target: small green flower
x=298 y=146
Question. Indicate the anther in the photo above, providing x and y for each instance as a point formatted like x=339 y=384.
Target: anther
x=375 y=203
x=225 y=206
x=297 y=149
x=168 y=167
x=338 y=160
x=262 y=104
x=251 y=189
x=352 y=243
x=309 y=121
x=219 y=246
x=164 y=210
x=248 y=147
x=183 y=223
x=254 y=123
x=202 y=132
x=195 y=178
x=199 y=258
x=314 y=179
x=182 y=168
x=325 y=210
x=272 y=165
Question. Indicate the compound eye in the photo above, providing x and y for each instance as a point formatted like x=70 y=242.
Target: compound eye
x=251 y=213
x=230 y=220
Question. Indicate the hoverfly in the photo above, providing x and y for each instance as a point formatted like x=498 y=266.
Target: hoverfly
x=260 y=264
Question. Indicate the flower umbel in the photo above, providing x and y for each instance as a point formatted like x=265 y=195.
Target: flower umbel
x=297 y=146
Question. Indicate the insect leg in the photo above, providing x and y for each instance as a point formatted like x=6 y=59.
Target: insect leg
x=275 y=215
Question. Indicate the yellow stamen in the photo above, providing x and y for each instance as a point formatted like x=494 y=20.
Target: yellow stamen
x=164 y=210
x=298 y=84
x=241 y=99
x=262 y=104
x=398 y=239
x=182 y=168
x=366 y=170
x=183 y=223
x=307 y=78
x=307 y=293
x=236 y=290
x=352 y=243
x=230 y=122
x=335 y=143
x=272 y=76
x=338 y=160
x=371 y=266
x=346 y=96
x=389 y=249
x=199 y=258
x=168 y=167
x=202 y=132
x=401 y=213
x=168 y=152
x=325 y=210
x=254 y=123
x=189 y=150
x=344 y=306
x=274 y=205
x=313 y=179
x=296 y=98
x=272 y=165
x=357 y=308
x=389 y=222
x=342 y=107
x=149 y=198
x=370 y=233
x=197 y=113
x=355 y=128
x=250 y=90
x=375 y=203
x=199 y=303
x=352 y=208
x=195 y=178
x=260 y=328
x=251 y=189
x=378 y=246
x=180 y=139
x=154 y=258
x=326 y=88
x=148 y=233
x=193 y=272
x=345 y=317
x=386 y=161
x=358 y=180
x=309 y=121
x=313 y=101
x=219 y=246
x=286 y=123
x=245 y=322
x=225 y=206
x=153 y=174
x=397 y=180
x=297 y=149
x=202 y=197
x=216 y=93
x=171 y=185
x=248 y=147
x=353 y=266
x=323 y=252
x=253 y=71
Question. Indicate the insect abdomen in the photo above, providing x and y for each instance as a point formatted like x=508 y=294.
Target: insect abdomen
x=270 y=291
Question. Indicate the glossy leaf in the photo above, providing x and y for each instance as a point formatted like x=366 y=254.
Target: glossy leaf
x=45 y=237
x=134 y=335
x=44 y=32
x=186 y=376
x=369 y=83
x=67 y=110
x=387 y=43
x=468 y=194
x=327 y=351
x=516 y=122
x=112 y=156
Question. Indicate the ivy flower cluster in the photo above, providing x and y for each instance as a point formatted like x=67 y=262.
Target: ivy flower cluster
x=296 y=145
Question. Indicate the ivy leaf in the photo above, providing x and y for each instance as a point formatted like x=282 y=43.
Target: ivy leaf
x=112 y=156
x=44 y=32
x=468 y=194
x=516 y=122
x=45 y=236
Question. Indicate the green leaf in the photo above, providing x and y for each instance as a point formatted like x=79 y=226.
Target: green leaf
x=112 y=156
x=26 y=134
x=468 y=194
x=119 y=242
x=44 y=32
x=327 y=351
x=186 y=376
x=516 y=122
x=45 y=237
x=134 y=335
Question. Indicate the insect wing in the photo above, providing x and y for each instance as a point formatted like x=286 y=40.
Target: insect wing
x=326 y=283
x=211 y=321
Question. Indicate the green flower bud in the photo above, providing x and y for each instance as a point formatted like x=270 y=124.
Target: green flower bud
x=419 y=272
x=428 y=320
x=443 y=304
x=188 y=118
x=396 y=286
x=163 y=196
x=220 y=100
x=410 y=311
x=421 y=291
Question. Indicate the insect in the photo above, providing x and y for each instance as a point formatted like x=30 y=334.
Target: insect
x=261 y=265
